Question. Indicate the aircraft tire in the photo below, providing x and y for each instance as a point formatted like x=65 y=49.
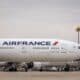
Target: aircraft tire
x=67 y=68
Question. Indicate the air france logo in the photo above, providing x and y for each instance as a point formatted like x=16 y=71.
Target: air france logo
x=55 y=43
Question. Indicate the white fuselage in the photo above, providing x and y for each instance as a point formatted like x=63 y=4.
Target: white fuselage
x=27 y=50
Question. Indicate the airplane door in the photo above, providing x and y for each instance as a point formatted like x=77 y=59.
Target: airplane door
x=23 y=49
x=26 y=53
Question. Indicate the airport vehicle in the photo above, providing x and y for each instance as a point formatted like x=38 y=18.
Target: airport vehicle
x=42 y=50
x=44 y=66
x=55 y=66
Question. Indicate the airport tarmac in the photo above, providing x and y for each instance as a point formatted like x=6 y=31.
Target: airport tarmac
x=39 y=75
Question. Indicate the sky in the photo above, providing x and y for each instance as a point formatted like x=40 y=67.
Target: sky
x=39 y=19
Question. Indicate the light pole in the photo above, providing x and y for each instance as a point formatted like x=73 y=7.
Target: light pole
x=78 y=30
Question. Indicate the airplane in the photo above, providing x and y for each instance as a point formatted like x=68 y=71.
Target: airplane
x=41 y=50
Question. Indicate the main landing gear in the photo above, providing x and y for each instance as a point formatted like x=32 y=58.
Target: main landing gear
x=10 y=66
x=13 y=66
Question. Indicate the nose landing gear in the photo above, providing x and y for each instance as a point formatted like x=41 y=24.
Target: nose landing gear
x=67 y=68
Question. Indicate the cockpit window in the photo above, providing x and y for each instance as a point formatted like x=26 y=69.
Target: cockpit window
x=78 y=47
